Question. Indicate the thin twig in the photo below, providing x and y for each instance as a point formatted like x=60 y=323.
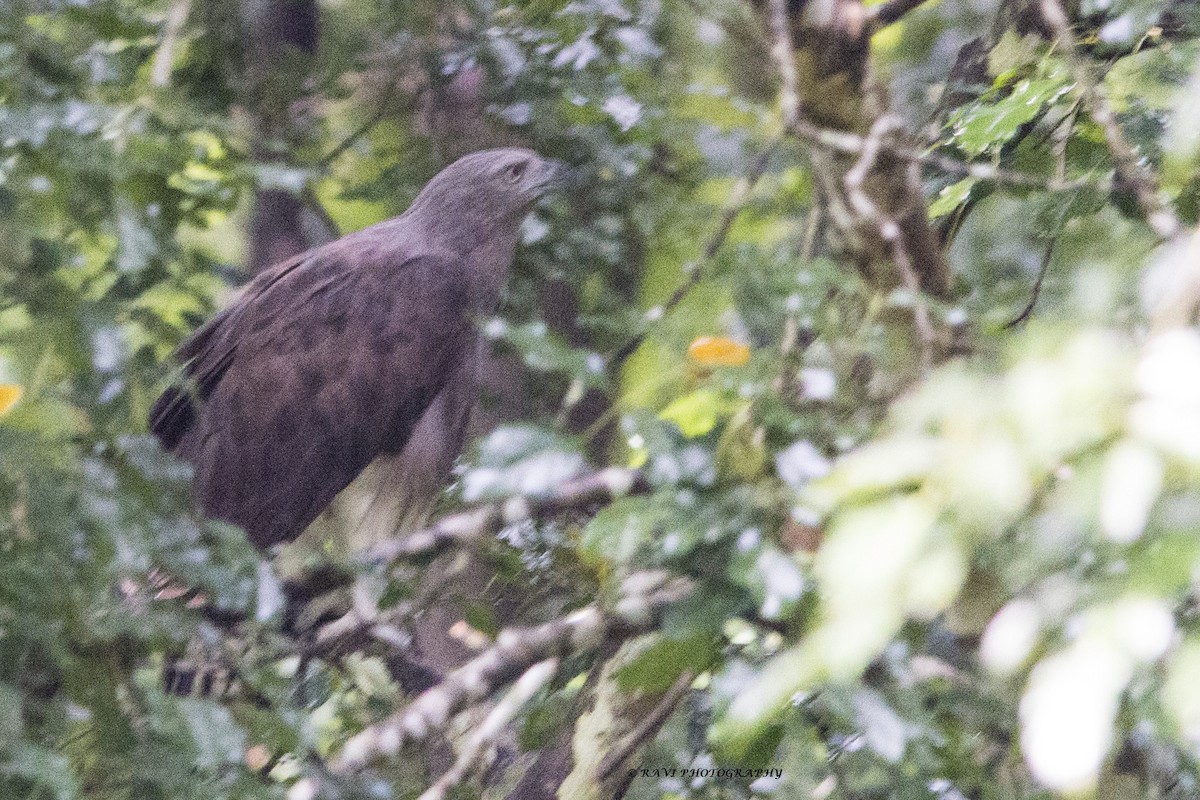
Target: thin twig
x=695 y=270
x=1043 y=268
x=646 y=729
x=383 y=109
x=1061 y=136
x=921 y=319
x=853 y=144
x=791 y=326
x=1128 y=166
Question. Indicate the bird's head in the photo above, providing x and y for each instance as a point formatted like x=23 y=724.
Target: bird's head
x=492 y=186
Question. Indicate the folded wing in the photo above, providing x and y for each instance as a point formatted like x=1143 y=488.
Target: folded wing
x=326 y=362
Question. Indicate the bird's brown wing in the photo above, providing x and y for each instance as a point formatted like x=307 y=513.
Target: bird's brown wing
x=326 y=362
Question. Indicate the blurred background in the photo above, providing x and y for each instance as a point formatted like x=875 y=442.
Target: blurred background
x=939 y=544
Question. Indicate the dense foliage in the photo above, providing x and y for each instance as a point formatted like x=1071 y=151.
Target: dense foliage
x=936 y=547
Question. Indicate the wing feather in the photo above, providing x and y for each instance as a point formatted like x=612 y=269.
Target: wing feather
x=324 y=363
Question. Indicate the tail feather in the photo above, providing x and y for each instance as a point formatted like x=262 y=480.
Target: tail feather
x=172 y=416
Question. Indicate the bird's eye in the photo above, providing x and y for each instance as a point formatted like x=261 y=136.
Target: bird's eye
x=514 y=172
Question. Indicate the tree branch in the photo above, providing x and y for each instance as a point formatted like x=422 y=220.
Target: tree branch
x=492 y=727
x=647 y=728
x=515 y=650
x=364 y=622
x=478 y=523
x=889 y=231
x=785 y=62
x=853 y=144
x=1129 y=168
x=160 y=72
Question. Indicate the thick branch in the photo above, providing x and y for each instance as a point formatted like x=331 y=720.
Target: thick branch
x=493 y=727
x=515 y=651
x=478 y=523
x=364 y=622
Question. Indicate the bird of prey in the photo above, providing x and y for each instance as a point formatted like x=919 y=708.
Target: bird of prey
x=327 y=362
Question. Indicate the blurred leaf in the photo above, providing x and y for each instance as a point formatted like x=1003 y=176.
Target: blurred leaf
x=10 y=394
x=620 y=530
x=718 y=351
x=218 y=739
x=41 y=768
x=520 y=459
x=883 y=729
x=985 y=126
x=545 y=351
x=697 y=413
x=655 y=668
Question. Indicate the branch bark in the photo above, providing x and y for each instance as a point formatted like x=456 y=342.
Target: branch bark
x=1129 y=168
x=469 y=526
x=829 y=92
x=492 y=727
x=515 y=651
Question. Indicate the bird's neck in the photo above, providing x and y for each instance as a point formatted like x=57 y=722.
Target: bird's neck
x=487 y=247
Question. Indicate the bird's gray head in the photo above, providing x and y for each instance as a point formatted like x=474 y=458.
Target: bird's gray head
x=490 y=188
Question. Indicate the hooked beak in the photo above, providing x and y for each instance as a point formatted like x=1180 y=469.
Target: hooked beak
x=555 y=175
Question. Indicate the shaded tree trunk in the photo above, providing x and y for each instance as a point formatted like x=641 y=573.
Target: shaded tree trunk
x=281 y=39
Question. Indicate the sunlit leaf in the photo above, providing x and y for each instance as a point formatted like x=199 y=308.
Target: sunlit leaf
x=984 y=126
x=951 y=197
x=10 y=395
x=697 y=413
x=718 y=351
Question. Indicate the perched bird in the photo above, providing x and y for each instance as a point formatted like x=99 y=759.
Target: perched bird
x=351 y=363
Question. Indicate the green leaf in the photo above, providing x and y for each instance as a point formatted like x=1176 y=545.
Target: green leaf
x=655 y=668
x=11 y=723
x=984 y=126
x=217 y=738
x=619 y=531
x=951 y=198
x=697 y=413
x=40 y=767
x=521 y=459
